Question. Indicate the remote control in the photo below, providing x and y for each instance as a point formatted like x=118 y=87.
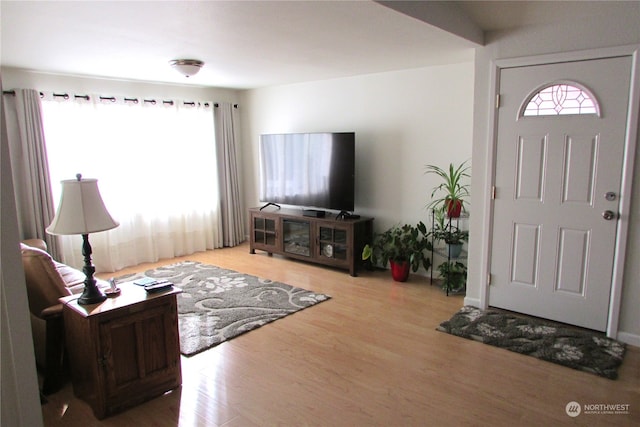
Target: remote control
x=158 y=287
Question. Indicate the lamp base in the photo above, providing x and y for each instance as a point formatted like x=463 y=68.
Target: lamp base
x=91 y=295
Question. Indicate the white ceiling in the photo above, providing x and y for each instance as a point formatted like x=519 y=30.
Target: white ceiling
x=247 y=44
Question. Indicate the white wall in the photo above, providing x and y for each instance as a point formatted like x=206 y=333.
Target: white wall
x=616 y=29
x=403 y=120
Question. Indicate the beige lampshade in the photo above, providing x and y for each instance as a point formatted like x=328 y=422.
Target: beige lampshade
x=81 y=209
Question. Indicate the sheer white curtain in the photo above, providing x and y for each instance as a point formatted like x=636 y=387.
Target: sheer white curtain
x=156 y=170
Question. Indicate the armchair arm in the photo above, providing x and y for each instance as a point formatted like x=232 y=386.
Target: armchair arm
x=51 y=312
x=36 y=243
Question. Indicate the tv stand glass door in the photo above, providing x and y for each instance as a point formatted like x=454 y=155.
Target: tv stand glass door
x=296 y=237
x=333 y=243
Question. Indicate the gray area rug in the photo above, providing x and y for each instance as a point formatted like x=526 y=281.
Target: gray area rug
x=219 y=304
x=555 y=342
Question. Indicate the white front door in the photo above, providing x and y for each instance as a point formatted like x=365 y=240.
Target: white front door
x=558 y=179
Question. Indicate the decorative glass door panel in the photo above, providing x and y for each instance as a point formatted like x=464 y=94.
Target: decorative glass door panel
x=297 y=237
x=264 y=231
x=333 y=243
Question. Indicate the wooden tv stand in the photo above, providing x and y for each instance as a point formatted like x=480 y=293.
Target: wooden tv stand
x=322 y=240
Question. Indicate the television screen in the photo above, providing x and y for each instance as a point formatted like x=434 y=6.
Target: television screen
x=308 y=169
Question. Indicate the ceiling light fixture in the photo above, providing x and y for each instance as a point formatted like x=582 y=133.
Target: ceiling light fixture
x=187 y=67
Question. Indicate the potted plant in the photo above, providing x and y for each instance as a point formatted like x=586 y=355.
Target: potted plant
x=454 y=276
x=451 y=234
x=405 y=247
x=452 y=190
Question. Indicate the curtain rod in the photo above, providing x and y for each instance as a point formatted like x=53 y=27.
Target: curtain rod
x=113 y=99
x=13 y=92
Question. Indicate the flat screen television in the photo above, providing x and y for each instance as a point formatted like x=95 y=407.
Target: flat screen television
x=310 y=170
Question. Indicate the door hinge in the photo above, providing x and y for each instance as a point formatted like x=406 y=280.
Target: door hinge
x=497 y=100
x=489 y=279
x=493 y=192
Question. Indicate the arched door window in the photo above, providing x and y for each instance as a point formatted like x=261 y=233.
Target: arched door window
x=566 y=98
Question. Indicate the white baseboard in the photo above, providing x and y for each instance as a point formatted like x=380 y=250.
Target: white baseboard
x=472 y=301
x=631 y=339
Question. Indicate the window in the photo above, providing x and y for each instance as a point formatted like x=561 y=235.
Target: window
x=560 y=99
x=156 y=170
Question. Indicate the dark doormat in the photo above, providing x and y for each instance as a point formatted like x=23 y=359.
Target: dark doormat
x=576 y=348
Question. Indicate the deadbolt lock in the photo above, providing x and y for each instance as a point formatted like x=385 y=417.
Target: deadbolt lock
x=610 y=196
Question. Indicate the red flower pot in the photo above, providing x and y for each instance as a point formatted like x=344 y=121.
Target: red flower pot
x=454 y=208
x=399 y=270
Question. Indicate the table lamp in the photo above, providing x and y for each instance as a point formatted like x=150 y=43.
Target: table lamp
x=82 y=211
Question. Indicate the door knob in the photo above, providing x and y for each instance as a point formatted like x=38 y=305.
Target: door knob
x=608 y=215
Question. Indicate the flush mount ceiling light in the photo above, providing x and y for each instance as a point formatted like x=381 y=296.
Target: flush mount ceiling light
x=187 y=67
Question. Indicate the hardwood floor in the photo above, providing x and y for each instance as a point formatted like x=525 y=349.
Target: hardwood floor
x=370 y=356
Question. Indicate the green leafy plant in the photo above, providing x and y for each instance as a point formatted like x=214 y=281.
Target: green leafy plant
x=400 y=243
x=452 y=190
x=448 y=232
x=453 y=274
x=452 y=235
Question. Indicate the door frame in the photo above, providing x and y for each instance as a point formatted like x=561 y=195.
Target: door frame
x=630 y=144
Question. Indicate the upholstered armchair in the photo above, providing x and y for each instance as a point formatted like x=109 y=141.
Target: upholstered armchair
x=47 y=280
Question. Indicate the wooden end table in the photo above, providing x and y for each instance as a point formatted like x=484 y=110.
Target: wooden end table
x=125 y=350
